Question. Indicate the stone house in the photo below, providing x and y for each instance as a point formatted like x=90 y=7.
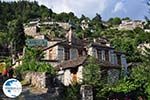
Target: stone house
x=130 y=25
x=142 y=47
x=33 y=27
x=69 y=55
x=31 y=30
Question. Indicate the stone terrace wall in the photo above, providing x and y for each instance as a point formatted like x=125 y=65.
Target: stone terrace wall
x=86 y=92
x=37 y=79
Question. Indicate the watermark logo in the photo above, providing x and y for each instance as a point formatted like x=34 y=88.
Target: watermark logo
x=12 y=88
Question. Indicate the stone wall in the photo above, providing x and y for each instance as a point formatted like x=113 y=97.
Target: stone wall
x=31 y=31
x=38 y=79
x=86 y=92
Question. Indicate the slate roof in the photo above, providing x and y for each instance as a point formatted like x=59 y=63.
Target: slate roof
x=72 y=63
x=82 y=60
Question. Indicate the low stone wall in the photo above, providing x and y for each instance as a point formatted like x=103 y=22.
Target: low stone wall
x=86 y=92
x=37 y=79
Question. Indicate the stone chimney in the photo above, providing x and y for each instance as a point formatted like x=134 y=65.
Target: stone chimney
x=94 y=40
x=108 y=44
x=70 y=36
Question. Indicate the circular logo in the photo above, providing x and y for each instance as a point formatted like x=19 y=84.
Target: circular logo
x=12 y=88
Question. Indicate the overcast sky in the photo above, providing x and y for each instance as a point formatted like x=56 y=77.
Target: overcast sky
x=135 y=9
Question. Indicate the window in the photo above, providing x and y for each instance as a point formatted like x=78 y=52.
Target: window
x=94 y=53
x=80 y=52
x=67 y=54
x=103 y=55
x=50 y=54
x=60 y=53
x=73 y=53
x=99 y=54
x=115 y=59
x=107 y=55
x=119 y=59
x=112 y=59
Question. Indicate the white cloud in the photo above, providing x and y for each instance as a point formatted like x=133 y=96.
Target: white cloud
x=79 y=7
x=135 y=9
x=119 y=7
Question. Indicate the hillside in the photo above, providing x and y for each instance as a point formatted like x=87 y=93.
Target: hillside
x=15 y=14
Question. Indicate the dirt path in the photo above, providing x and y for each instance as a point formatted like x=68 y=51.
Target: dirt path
x=29 y=93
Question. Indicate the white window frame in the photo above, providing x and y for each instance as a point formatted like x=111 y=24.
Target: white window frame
x=62 y=53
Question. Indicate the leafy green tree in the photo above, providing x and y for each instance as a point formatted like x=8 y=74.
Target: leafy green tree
x=30 y=62
x=91 y=72
x=114 y=21
x=72 y=93
x=16 y=31
x=137 y=83
x=126 y=18
x=92 y=76
x=97 y=18
x=5 y=39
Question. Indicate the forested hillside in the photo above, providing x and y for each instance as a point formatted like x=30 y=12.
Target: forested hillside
x=14 y=14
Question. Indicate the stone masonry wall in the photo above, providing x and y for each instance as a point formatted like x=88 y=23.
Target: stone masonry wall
x=86 y=92
x=37 y=79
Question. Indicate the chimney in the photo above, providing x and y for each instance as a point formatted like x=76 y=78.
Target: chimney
x=108 y=44
x=94 y=40
x=70 y=35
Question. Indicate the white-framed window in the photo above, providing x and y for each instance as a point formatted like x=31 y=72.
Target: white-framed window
x=123 y=61
x=67 y=54
x=94 y=52
x=110 y=55
x=103 y=55
x=99 y=55
x=60 y=53
x=115 y=59
x=73 y=53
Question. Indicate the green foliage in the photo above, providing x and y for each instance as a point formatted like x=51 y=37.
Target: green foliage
x=114 y=21
x=53 y=31
x=72 y=93
x=16 y=31
x=5 y=39
x=92 y=76
x=7 y=63
x=21 y=10
x=91 y=72
x=128 y=46
x=126 y=18
x=138 y=83
x=31 y=62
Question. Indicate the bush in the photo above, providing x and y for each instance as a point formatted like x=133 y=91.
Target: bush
x=72 y=93
x=31 y=62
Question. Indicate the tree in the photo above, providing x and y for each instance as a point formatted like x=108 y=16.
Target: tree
x=138 y=82
x=72 y=93
x=91 y=72
x=97 y=18
x=96 y=25
x=17 y=33
x=126 y=18
x=30 y=62
x=114 y=21
x=92 y=76
x=5 y=39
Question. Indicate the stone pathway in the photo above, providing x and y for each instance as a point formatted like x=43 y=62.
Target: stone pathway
x=30 y=93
